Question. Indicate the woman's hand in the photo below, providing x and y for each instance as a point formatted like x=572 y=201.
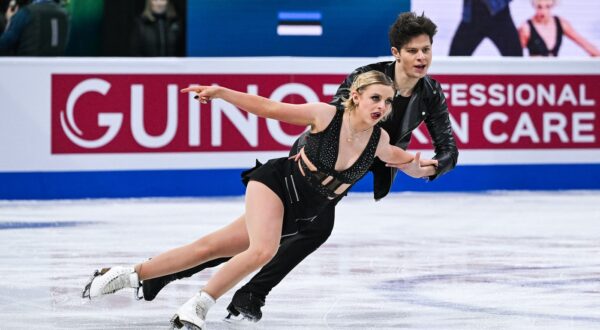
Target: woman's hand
x=418 y=168
x=203 y=93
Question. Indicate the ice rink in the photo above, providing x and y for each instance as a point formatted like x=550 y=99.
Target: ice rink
x=518 y=260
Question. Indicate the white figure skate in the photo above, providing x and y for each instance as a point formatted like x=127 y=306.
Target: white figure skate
x=192 y=314
x=110 y=280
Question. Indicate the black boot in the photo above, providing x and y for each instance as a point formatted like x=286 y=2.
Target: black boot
x=247 y=304
x=152 y=287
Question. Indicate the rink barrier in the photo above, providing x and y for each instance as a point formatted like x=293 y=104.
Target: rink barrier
x=220 y=183
x=95 y=128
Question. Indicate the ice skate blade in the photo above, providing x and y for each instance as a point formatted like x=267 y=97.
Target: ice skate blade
x=88 y=286
x=239 y=320
x=176 y=323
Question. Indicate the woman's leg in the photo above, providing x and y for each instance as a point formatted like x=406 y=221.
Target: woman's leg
x=264 y=219
x=225 y=242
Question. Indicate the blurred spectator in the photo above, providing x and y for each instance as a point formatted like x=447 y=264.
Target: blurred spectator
x=542 y=34
x=36 y=29
x=158 y=31
x=486 y=19
x=2 y=16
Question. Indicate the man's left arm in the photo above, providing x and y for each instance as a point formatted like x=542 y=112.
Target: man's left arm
x=440 y=130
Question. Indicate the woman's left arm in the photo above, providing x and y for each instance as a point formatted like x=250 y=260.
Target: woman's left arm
x=394 y=156
x=391 y=154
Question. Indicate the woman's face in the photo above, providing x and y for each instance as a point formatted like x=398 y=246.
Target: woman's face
x=158 y=6
x=543 y=9
x=374 y=103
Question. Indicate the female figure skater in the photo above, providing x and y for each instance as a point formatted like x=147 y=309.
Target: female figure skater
x=340 y=148
x=542 y=34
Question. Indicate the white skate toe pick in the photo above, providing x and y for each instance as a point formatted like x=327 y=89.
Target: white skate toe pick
x=192 y=314
x=109 y=280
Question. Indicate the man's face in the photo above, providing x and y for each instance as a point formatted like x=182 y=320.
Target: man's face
x=158 y=6
x=415 y=57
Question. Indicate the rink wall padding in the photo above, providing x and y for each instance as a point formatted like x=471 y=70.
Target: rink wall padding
x=220 y=183
x=96 y=128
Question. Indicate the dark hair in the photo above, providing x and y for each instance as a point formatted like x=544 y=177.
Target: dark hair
x=407 y=26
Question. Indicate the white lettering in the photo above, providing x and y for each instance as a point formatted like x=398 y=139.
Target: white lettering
x=417 y=134
x=194 y=120
x=554 y=122
x=445 y=89
x=458 y=95
x=524 y=128
x=567 y=95
x=137 y=118
x=111 y=120
x=330 y=89
x=462 y=130
x=248 y=127
x=478 y=98
x=525 y=89
x=497 y=98
x=579 y=128
x=582 y=100
x=487 y=127
x=548 y=95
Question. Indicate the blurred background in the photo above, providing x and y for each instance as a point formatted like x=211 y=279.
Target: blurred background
x=98 y=113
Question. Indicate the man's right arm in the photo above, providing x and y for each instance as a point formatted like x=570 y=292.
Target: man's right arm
x=440 y=129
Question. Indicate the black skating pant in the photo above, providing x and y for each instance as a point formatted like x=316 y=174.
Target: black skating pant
x=292 y=250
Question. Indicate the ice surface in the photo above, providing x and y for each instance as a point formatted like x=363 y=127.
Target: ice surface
x=518 y=260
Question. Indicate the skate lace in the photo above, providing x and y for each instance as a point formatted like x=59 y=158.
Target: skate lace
x=201 y=310
x=115 y=284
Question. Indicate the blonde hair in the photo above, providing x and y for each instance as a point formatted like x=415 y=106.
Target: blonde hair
x=554 y=2
x=363 y=81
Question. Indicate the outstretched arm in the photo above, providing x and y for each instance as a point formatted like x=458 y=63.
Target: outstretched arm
x=578 y=38
x=391 y=154
x=297 y=114
x=411 y=165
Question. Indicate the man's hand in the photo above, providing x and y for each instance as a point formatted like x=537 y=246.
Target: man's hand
x=418 y=168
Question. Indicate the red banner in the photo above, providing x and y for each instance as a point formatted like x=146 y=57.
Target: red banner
x=524 y=111
x=146 y=112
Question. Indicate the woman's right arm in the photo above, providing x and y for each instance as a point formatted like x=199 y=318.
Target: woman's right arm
x=298 y=114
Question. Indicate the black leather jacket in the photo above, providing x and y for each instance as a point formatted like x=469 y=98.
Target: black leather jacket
x=428 y=104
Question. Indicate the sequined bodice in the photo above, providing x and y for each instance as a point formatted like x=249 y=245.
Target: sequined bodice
x=322 y=150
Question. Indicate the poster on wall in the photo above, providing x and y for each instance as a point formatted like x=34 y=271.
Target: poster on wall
x=324 y=28
x=514 y=27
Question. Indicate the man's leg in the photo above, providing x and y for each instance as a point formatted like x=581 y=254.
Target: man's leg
x=249 y=299
x=152 y=287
